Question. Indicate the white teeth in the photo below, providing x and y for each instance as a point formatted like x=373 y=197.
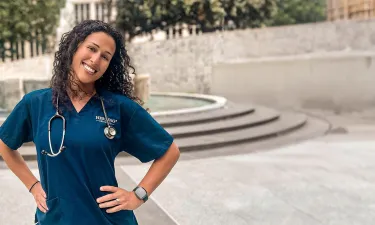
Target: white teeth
x=91 y=70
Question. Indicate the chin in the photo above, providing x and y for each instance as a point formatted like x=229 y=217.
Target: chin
x=86 y=80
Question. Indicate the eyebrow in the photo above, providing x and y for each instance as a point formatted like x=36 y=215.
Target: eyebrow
x=99 y=47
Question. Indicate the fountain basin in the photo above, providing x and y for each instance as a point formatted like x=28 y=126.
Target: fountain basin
x=171 y=103
x=174 y=103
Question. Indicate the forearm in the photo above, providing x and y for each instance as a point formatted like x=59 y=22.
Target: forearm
x=17 y=165
x=159 y=169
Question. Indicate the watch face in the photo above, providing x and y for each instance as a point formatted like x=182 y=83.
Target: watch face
x=140 y=192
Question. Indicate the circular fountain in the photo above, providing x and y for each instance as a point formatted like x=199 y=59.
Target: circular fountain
x=169 y=104
x=196 y=121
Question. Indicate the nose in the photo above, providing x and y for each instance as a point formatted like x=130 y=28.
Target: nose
x=95 y=58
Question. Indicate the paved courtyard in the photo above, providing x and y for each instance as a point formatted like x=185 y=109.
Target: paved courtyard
x=328 y=180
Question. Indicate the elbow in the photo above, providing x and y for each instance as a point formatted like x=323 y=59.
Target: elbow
x=175 y=151
x=172 y=155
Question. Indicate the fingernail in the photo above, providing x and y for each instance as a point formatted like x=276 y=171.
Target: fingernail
x=101 y=188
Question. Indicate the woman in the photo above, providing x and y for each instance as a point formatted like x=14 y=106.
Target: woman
x=92 y=90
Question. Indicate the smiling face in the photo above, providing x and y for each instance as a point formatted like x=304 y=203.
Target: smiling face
x=92 y=58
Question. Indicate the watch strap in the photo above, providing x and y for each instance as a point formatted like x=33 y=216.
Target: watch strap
x=145 y=198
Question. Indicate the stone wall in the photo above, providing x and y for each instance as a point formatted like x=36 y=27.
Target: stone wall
x=186 y=64
x=337 y=82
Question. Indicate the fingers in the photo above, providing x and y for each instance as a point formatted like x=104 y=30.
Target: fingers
x=110 y=204
x=109 y=188
x=40 y=199
x=44 y=194
x=43 y=203
x=115 y=209
x=42 y=208
x=107 y=198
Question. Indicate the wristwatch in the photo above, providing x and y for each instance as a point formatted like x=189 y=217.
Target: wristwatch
x=141 y=193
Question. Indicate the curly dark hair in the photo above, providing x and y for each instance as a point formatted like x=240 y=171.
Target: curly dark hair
x=115 y=79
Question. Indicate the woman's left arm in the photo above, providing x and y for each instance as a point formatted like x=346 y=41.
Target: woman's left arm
x=121 y=199
x=160 y=168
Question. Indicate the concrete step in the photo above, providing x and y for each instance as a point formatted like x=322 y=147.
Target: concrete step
x=259 y=117
x=313 y=128
x=230 y=110
x=286 y=123
x=230 y=125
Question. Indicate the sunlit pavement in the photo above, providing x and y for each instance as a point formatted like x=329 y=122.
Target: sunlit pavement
x=328 y=180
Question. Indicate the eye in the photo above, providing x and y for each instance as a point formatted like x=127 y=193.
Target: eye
x=91 y=48
x=105 y=57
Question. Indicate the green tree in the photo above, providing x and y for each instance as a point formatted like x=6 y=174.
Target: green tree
x=131 y=17
x=299 y=11
x=135 y=17
x=24 y=19
x=13 y=24
x=208 y=14
x=139 y=16
x=44 y=18
x=248 y=13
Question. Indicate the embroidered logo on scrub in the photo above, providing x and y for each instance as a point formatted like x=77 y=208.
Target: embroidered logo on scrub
x=102 y=120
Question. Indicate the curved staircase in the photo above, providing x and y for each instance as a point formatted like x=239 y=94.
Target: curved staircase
x=231 y=125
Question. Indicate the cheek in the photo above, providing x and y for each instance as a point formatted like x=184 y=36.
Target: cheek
x=77 y=58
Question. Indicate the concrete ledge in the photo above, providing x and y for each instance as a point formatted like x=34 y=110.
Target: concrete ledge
x=217 y=102
x=341 y=81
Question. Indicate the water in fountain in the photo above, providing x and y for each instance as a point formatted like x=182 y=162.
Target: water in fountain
x=158 y=103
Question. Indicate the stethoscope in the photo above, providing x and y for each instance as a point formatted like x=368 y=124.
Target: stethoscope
x=109 y=131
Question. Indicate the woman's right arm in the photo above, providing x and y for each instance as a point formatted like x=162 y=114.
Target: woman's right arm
x=18 y=166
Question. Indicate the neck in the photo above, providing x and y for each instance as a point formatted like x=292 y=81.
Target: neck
x=81 y=92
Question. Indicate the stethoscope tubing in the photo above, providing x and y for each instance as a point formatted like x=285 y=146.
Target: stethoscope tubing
x=109 y=131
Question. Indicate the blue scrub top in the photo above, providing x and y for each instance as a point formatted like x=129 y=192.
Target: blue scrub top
x=72 y=179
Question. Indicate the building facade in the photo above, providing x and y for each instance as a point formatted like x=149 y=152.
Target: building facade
x=350 y=9
x=92 y=9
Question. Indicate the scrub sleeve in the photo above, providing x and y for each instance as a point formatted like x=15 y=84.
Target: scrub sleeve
x=145 y=138
x=17 y=128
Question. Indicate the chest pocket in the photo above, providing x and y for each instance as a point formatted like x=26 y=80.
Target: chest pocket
x=87 y=134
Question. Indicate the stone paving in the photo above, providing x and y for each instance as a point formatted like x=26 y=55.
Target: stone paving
x=328 y=180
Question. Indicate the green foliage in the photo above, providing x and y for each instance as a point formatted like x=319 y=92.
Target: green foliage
x=139 y=16
x=23 y=19
x=248 y=13
x=12 y=19
x=208 y=14
x=44 y=15
x=299 y=11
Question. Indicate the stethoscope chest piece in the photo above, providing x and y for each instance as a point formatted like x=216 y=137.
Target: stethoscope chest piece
x=110 y=132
